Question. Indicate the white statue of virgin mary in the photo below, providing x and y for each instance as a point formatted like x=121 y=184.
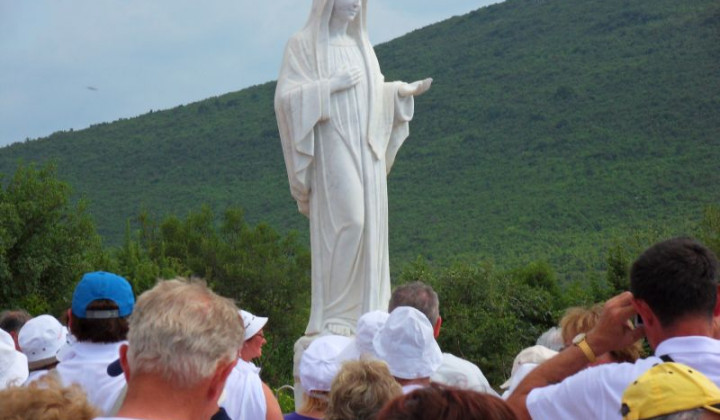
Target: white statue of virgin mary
x=341 y=126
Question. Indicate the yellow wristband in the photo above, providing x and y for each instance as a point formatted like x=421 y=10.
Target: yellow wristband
x=585 y=347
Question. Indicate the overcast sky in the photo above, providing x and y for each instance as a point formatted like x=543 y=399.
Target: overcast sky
x=72 y=63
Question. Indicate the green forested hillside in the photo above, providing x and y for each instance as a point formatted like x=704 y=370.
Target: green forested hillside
x=552 y=127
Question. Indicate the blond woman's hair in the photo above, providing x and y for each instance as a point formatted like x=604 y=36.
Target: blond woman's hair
x=578 y=319
x=46 y=399
x=360 y=389
x=317 y=401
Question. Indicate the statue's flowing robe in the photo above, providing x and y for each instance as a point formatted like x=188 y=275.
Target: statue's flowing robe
x=338 y=148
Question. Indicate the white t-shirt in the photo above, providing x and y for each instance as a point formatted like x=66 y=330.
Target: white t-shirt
x=86 y=364
x=596 y=392
x=244 y=397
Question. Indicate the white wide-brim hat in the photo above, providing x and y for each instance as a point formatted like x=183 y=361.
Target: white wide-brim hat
x=534 y=355
x=407 y=343
x=368 y=326
x=321 y=361
x=252 y=323
x=41 y=339
x=13 y=364
x=362 y=343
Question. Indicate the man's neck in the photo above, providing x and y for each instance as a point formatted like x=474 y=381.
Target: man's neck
x=683 y=328
x=150 y=398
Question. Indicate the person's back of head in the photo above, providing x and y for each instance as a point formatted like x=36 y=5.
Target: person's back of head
x=181 y=331
x=526 y=360
x=677 y=278
x=696 y=414
x=552 y=339
x=319 y=365
x=360 y=390
x=101 y=304
x=46 y=399
x=579 y=320
x=41 y=339
x=406 y=342
x=12 y=320
x=447 y=403
x=418 y=295
x=13 y=364
x=671 y=391
x=367 y=326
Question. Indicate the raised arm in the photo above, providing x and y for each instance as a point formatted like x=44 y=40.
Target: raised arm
x=611 y=333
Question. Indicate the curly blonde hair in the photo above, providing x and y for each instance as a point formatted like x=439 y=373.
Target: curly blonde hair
x=578 y=319
x=46 y=399
x=360 y=390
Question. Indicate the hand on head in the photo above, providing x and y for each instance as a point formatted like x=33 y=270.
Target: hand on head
x=613 y=331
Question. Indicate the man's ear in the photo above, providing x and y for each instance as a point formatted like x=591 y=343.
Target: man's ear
x=123 y=362
x=217 y=382
x=644 y=311
x=716 y=311
x=436 y=327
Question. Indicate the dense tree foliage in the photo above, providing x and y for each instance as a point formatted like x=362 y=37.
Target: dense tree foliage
x=45 y=242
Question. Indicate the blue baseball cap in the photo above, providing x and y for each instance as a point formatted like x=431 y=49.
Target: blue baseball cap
x=102 y=285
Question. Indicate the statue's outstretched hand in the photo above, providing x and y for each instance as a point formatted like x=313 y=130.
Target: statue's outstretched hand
x=415 y=88
x=345 y=78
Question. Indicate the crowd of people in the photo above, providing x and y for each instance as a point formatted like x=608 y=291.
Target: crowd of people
x=183 y=352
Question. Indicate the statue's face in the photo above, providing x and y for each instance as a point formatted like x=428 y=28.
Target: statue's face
x=346 y=9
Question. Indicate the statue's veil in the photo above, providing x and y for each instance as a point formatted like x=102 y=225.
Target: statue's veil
x=317 y=25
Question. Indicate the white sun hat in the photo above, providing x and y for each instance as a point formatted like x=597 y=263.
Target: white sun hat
x=13 y=364
x=321 y=361
x=407 y=343
x=531 y=356
x=362 y=343
x=40 y=339
x=252 y=323
x=367 y=327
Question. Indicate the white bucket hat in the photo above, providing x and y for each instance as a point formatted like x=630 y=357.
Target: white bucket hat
x=321 y=361
x=367 y=327
x=40 y=339
x=13 y=364
x=253 y=324
x=407 y=343
x=362 y=344
x=532 y=356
